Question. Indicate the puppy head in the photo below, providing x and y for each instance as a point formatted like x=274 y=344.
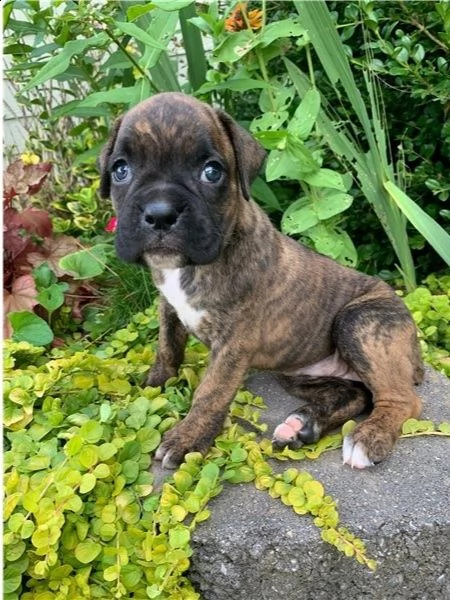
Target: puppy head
x=176 y=169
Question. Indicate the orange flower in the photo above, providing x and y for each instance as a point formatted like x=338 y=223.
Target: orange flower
x=241 y=19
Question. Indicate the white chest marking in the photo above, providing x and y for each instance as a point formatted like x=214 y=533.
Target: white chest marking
x=176 y=297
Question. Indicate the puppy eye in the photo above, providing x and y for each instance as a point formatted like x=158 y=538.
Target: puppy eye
x=120 y=171
x=212 y=172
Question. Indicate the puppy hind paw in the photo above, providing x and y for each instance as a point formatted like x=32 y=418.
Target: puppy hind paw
x=355 y=454
x=299 y=428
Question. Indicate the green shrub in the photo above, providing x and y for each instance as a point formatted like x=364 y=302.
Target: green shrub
x=83 y=517
x=430 y=307
x=102 y=62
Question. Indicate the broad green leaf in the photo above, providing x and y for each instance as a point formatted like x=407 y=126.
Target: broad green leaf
x=130 y=451
x=149 y=439
x=183 y=481
x=326 y=178
x=30 y=328
x=313 y=488
x=210 y=472
x=281 y=165
x=334 y=243
x=306 y=114
x=52 y=297
x=86 y=264
x=299 y=217
x=332 y=203
x=170 y=5
x=60 y=63
x=234 y=47
x=178 y=513
x=107 y=451
x=262 y=192
x=121 y=95
x=43 y=276
x=83 y=381
x=131 y=575
x=111 y=573
x=269 y=121
x=238 y=454
x=280 y=29
x=101 y=471
x=130 y=470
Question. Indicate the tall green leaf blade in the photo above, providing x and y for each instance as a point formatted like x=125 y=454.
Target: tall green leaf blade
x=162 y=26
x=435 y=235
x=193 y=47
x=164 y=75
x=321 y=30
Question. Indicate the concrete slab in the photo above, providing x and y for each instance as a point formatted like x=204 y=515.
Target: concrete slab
x=255 y=548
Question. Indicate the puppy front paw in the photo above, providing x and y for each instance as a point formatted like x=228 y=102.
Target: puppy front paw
x=369 y=444
x=355 y=454
x=181 y=439
x=159 y=374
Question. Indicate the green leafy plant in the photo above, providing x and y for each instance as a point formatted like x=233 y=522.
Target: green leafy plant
x=363 y=147
x=430 y=307
x=115 y=55
x=242 y=61
x=30 y=246
x=374 y=170
x=82 y=514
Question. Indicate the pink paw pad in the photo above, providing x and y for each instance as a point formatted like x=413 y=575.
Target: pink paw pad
x=287 y=431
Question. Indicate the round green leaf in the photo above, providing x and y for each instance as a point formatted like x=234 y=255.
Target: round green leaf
x=88 y=482
x=179 y=536
x=88 y=456
x=87 y=551
x=91 y=431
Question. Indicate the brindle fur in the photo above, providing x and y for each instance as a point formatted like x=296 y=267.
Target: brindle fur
x=268 y=302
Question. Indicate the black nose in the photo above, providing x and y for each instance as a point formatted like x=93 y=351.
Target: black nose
x=161 y=215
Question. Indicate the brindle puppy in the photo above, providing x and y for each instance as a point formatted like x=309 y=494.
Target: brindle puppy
x=179 y=174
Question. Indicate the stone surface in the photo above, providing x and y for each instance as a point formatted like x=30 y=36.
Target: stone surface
x=255 y=548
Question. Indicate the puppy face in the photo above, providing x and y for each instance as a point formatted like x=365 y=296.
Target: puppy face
x=176 y=169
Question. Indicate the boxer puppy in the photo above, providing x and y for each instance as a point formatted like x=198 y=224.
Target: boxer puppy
x=179 y=174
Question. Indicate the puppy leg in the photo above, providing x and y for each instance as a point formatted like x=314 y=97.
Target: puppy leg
x=330 y=402
x=209 y=408
x=377 y=338
x=172 y=340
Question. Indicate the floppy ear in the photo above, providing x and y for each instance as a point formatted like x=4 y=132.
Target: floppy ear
x=248 y=152
x=105 y=178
